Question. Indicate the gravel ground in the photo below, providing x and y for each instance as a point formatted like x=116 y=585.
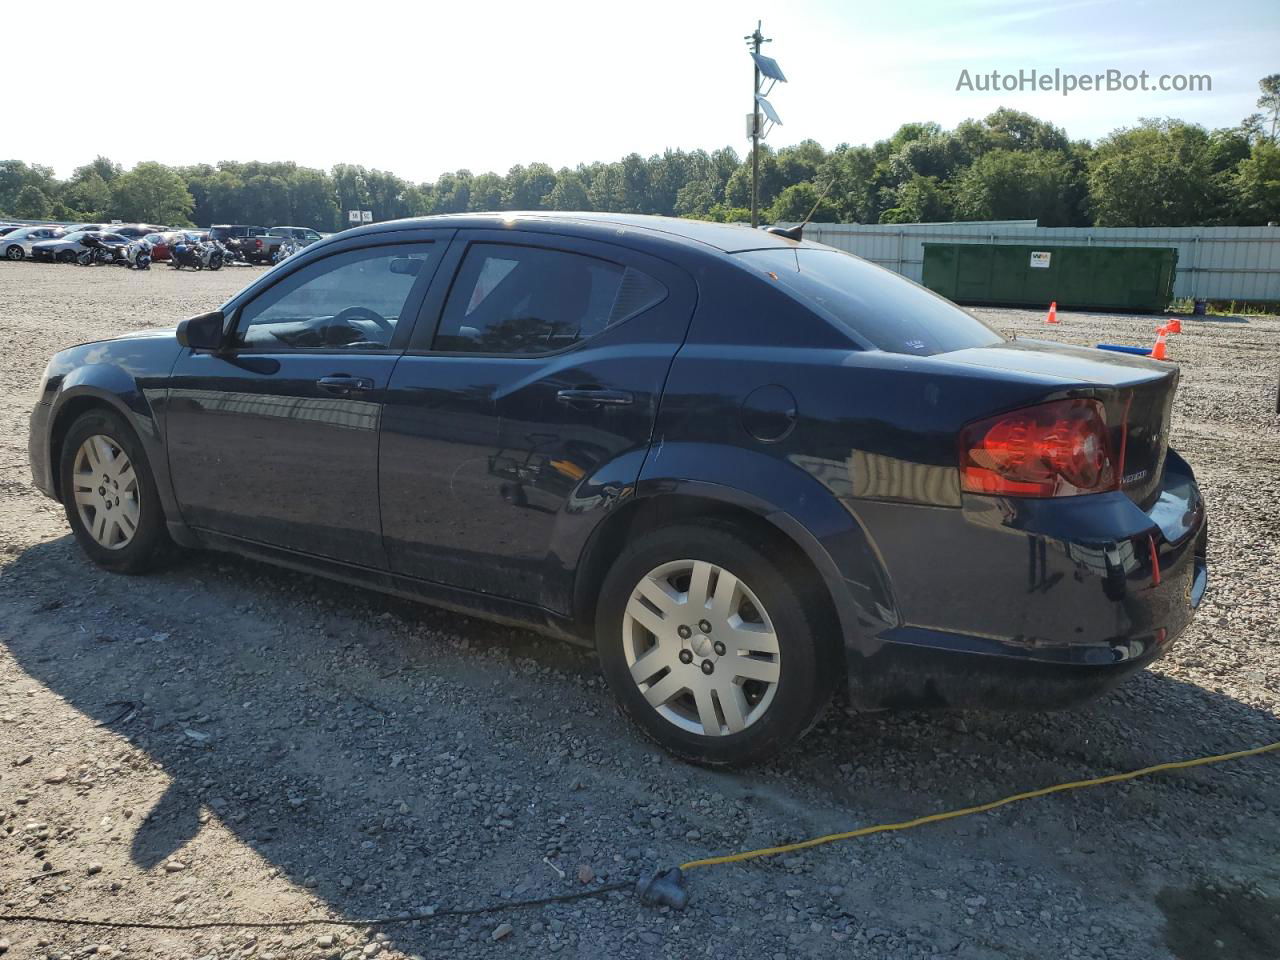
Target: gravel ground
x=226 y=740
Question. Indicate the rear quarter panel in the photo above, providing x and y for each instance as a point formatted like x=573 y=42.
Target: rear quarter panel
x=866 y=429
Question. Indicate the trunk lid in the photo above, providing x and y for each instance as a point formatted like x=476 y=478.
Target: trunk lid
x=1136 y=392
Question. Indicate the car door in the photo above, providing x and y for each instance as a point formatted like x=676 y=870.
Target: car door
x=530 y=402
x=275 y=439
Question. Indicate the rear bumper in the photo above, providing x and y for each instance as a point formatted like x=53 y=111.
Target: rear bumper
x=1031 y=604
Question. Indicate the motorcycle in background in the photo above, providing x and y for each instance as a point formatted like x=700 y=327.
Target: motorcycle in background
x=95 y=251
x=232 y=250
x=288 y=247
x=198 y=254
x=136 y=255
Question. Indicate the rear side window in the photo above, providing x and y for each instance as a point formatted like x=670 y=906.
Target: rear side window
x=880 y=308
x=511 y=299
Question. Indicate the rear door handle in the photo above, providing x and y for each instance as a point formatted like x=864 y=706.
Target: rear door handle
x=344 y=384
x=595 y=398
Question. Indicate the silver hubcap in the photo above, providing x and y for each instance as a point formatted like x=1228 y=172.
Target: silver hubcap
x=701 y=648
x=106 y=492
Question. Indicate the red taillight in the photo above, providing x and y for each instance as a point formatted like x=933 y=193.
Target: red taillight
x=258 y=243
x=1057 y=449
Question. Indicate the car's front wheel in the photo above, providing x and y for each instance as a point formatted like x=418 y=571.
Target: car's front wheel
x=708 y=646
x=110 y=495
x=15 y=252
x=67 y=256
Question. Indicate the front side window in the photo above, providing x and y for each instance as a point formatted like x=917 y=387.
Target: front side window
x=514 y=299
x=880 y=308
x=349 y=301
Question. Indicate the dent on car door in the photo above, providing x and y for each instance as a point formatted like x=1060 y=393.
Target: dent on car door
x=528 y=408
x=275 y=438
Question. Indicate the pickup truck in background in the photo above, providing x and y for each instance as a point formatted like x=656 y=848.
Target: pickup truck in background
x=254 y=244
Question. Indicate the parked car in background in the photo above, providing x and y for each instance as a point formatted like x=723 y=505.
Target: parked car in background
x=136 y=231
x=160 y=244
x=746 y=468
x=248 y=243
x=8 y=228
x=302 y=236
x=66 y=249
x=18 y=243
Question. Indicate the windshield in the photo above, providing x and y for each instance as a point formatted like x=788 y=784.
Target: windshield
x=880 y=308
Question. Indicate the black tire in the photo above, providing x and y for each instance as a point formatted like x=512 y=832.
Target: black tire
x=15 y=253
x=808 y=669
x=67 y=256
x=151 y=546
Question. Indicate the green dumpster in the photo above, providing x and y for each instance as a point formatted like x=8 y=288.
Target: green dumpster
x=1112 y=278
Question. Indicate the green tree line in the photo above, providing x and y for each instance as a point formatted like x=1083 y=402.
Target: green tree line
x=1009 y=165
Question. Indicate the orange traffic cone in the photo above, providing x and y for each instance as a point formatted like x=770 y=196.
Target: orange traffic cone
x=1159 y=351
x=1173 y=325
x=1053 y=313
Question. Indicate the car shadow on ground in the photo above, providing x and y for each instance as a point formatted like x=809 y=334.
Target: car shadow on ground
x=389 y=756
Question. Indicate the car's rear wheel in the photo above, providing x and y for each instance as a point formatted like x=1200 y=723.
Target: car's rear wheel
x=15 y=252
x=708 y=645
x=110 y=495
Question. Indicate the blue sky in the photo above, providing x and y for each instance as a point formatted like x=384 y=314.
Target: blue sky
x=422 y=87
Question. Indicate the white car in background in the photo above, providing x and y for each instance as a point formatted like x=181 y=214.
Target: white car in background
x=17 y=244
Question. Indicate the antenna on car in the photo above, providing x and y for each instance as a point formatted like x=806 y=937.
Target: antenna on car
x=797 y=232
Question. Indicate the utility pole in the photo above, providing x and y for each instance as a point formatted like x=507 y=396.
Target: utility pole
x=756 y=39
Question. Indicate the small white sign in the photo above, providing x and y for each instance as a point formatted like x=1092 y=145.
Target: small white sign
x=367 y=215
x=1040 y=259
x=353 y=216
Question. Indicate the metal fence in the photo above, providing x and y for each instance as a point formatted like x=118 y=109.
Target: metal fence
x=1214 y=263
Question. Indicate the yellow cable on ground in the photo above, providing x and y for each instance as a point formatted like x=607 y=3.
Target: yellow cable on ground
x=980 y=808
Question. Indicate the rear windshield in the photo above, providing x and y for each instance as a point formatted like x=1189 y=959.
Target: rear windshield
x=880 y=308
x=221 y=233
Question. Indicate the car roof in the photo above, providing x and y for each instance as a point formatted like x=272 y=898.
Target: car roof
x=725 y=237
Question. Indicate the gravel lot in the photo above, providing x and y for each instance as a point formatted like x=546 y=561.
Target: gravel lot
x=226 y=740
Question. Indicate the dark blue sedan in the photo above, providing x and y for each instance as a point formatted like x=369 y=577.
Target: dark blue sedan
x=747 y=469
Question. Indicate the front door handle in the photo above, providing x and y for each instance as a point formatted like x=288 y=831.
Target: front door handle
x=344 y=384
x=595 y=398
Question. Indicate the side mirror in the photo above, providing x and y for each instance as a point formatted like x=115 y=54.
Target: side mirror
x=203 y=332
